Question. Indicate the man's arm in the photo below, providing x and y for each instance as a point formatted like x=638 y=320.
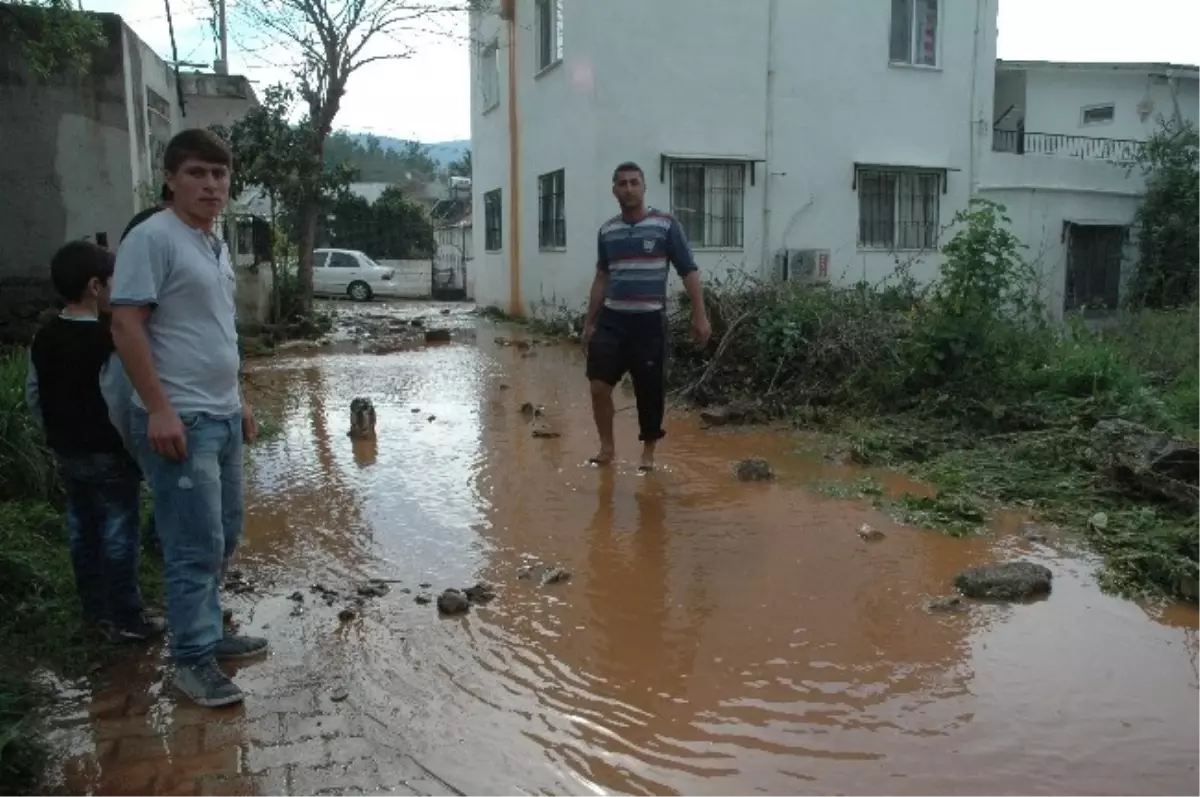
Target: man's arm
x=33 y=395
x=138 y=278
x=599 y=288
x=680 y=255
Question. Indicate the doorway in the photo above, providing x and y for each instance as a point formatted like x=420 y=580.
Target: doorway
x=1094 y=255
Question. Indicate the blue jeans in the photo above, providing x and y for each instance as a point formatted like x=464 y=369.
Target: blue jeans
x=103 y=530
x=198 y=516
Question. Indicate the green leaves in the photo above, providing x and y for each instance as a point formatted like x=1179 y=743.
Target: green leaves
x=54 y=36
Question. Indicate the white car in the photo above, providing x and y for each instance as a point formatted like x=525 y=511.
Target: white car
x=348 y=272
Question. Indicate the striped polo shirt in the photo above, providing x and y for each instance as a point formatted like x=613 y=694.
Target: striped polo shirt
x=636 y=258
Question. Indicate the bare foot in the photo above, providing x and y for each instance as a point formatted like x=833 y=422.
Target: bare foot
x=647 y=463
x=605 y=456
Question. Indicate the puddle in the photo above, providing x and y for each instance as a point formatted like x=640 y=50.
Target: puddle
x=714 y=637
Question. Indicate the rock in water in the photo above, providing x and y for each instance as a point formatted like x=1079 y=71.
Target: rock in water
x=373 y=590
x=754 y=469
x=946 y=605
x=555 y=575
x=542 y=431
x=1006 y=581
x=362 y=418
x=453 y=602
x=437 y=336
x=869 y=533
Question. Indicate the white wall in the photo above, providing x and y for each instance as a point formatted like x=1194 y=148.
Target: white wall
x=1056 y=96
x=413 y=279
x=807 y=87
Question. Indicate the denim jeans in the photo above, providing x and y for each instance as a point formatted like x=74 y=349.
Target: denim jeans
x=198 y=515
x=103 y=531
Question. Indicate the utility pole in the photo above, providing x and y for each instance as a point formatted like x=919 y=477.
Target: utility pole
x=221 y=67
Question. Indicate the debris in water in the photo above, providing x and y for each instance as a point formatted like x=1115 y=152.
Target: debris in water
x=431 y=418
x=951 y=603
x=554 y=575
x=503 y=386
x=297 y=596
x=1005 y=581
x=1034 y=533
x=338 y=694
x=347 y=614
x=480 y=593
x=542 y=431
x=373 y=589
x=870 y=533
x=362 y=419
x=754 y=469
x=453 y=602
x=422 y=599
x=437 y=336
x=525 y=571
x=503 y=341
x=425 y=586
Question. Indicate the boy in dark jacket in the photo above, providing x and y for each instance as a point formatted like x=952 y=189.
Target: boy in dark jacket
x=103 y=483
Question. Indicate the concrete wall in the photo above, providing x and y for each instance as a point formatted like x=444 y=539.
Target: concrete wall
x=253 y=297
x=216 y=99
x=803 y=89
x=413 y=278
x=66 y=170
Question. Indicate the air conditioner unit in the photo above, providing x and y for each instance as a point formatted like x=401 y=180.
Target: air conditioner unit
x=805 y=265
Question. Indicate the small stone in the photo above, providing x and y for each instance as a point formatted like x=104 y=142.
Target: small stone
x=338 y=694
x=297 y=596
x=418 y=322
x=951 y=603
x=297 y=610
x=523 y=345
x=504 y=387
x=422 y=599
x=453 y=602
x=525 y=571
x=503 y=342
x=446 y=311
x=1033 y=533
x=1098 y=521
x=416 y=409
x=425 y=586
x=437 y=336
x=555 y=575
x=347 y=614
x=754 y=469
x=431 y=418
x=480 y=593
x=869 y=533
x=528 y=409
x=406 y=590
x=1006 y=581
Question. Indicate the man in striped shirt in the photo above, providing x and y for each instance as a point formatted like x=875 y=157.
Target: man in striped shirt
x=626 y=327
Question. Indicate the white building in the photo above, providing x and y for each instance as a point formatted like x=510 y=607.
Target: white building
x=1065 y=136
x=825 y=140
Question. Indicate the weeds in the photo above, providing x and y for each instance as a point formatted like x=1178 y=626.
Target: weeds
x=966 y=385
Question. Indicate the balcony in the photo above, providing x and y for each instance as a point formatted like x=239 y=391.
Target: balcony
x=1060 y=145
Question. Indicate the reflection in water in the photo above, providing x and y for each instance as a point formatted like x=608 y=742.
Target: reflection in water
x=715 y=637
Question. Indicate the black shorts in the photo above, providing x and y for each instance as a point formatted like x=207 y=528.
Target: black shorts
x=633 y=343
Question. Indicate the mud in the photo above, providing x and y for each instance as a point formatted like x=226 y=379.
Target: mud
x=714 y=636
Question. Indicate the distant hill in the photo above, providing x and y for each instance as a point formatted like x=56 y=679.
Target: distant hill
x=443 y=152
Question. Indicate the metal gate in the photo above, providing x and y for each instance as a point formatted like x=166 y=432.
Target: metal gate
x=449 y=273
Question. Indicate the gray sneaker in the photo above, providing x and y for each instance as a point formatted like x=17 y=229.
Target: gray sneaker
x=235 y=646
x=207 y=685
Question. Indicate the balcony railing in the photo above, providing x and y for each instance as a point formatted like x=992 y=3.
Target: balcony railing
x=1114 y=150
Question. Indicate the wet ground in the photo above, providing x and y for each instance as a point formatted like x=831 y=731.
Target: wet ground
x=715 y=637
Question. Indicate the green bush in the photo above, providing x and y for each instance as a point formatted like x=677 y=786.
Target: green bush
x=27 y=469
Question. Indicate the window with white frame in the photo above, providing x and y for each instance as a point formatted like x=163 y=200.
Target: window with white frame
x=552 y=216
x=1099 y=114
x=709 y=200
x=898 y=209
x=493 y=235
x=489 y=75
x=914 y=37
x=549 y=29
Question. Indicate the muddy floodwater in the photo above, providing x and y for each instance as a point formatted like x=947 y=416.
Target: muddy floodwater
x=714 y=637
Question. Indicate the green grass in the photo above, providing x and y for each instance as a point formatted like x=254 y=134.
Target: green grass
x=39 y=608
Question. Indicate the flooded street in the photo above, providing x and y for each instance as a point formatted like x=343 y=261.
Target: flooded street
x=715 y=637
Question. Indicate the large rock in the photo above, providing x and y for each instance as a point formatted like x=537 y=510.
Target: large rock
x=1134 y=459
x=1005 y=581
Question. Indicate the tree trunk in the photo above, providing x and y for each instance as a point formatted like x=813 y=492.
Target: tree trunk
x=308 y=237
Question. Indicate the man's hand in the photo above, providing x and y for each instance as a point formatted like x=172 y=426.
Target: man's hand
x=249 y=425
x=589 y=331
x=166 y=435
x=701 y=330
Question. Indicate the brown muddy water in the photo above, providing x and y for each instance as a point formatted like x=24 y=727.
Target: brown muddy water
x=714 y=637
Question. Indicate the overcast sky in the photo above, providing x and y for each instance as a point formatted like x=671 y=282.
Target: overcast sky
x=428 y=96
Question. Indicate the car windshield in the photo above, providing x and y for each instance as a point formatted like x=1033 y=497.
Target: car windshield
x=370 y=262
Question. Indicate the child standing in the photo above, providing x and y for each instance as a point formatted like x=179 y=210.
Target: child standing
x=103 y=483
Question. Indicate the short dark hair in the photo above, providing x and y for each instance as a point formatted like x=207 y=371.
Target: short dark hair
x=76 y=264
x=629 y=166
x=198 y=144
x=166 y=194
